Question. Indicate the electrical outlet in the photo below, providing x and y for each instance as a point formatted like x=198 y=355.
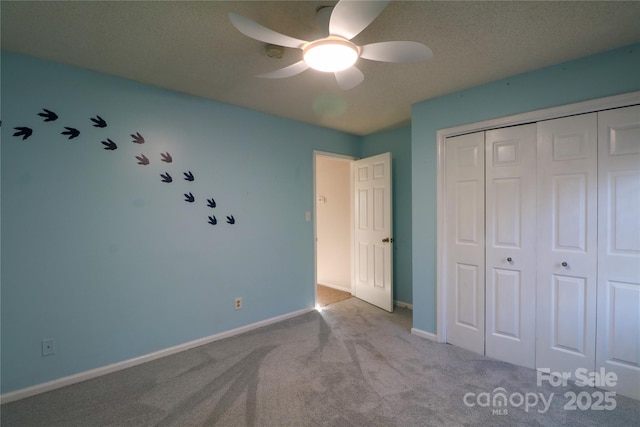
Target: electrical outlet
x=48 y=346
x=237 y=305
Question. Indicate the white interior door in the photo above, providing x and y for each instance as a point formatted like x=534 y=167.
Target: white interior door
x=618 y=339
x=373 y=238
x=464 y=251
x=511 y=244
x=567 y=243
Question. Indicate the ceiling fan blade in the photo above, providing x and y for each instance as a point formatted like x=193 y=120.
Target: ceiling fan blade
x=289 y=71
x=256 y=31
x=349 y=18
x=400 y=51
x=349 y=78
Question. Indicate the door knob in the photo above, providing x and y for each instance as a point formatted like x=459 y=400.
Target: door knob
x=387 y=240
x=564 y=263
x=509 y=259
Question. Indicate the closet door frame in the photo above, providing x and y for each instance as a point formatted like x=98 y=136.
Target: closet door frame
x=589 y=106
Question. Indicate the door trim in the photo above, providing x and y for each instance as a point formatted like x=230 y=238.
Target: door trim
x=589 y=106
x=338 y=157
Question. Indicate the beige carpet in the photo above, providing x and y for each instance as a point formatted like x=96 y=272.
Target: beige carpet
x=349 y=365
x=327 y=295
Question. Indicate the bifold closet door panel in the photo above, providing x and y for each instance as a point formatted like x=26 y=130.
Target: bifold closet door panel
x=618 y=331
x=464 y=247
x=511 y=244
x=567 y=243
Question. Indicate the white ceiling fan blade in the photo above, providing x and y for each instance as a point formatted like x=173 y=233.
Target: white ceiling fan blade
x=349 y=18
x=400 y=51
x=256 y=31
x=289 y=71
x=349 y=78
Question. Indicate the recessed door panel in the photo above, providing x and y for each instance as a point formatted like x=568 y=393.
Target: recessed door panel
x=363 y=209
x=624 y=212
x=507 y=302
x=622 y=311
x=623 y=138
x=569 y=145
x=379 y=259
x=569 y=212
x=466 y=291
x=378 y=170
x=506 y=152
x=362 y=173
x=466 y=157
x=506 y=213
x=379 y=209
x=568 y=313
x=468 y=197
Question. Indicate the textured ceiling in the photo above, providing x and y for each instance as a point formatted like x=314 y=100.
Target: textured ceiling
x=192 y=47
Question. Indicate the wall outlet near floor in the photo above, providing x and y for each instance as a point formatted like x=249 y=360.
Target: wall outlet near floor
x=48 y=346
x=237 y=304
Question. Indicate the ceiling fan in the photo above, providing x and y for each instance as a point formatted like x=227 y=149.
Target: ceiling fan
x=336 y=53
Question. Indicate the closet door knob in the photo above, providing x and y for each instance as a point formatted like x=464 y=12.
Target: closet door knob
x=564 y=263
x=509 y=259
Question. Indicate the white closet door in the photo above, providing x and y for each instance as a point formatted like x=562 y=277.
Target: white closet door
x=464 y=182
x=567 y=243
x=618 y=339
x=511 y=244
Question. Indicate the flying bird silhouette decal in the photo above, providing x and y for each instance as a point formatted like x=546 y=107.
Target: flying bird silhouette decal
x=24 y=132
x=72 y=132
x=142 y=159
x=109 y=145
x=137 y=138
x=166 y=157
x=49 y=116
x=99 y=122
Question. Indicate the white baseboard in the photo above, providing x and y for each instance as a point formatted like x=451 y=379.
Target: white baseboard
x=104 y=370
x=403 y=304
x=330 y=285
x=424 y=334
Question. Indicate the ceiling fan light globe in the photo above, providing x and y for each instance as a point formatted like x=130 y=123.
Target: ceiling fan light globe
x=330 y=54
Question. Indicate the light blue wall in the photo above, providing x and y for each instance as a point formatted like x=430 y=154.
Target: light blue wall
x=605 y=74
x=398 y=143
x=100 y=254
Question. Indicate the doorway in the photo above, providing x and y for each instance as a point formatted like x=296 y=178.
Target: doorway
x=354 y=243
x=332 y=213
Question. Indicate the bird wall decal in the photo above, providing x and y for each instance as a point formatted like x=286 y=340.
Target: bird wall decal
x=108 y=144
